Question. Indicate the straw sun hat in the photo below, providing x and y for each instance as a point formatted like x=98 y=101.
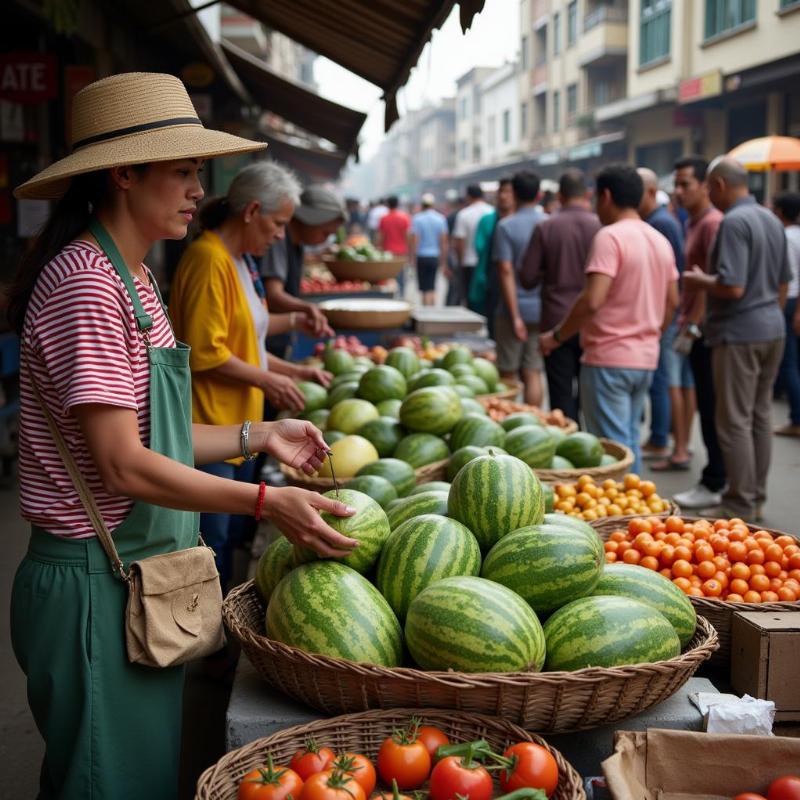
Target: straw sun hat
x=132 y=118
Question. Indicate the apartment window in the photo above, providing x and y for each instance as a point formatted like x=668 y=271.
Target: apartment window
x=556 y=110
x=556 y=33
x=462 y=151
x=572 y=23
x=541 y=113
x=463 y=108
x=523 y=49
x=541 y=46
x=654 y=30
x=601 y=93
x=523 y=120
x=572 y=101
x=507 y=126
x=789 y=3
x=725 y=15
x=490 y=126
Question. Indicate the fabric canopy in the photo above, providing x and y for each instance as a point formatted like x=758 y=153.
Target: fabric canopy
x=314 y=164
x=780 y=153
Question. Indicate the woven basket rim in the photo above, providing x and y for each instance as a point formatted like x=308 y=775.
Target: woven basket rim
x=605 y=525
x=568 y=775
x=708 y=641
x=514 y=388
x=711 y=603
x=625 y=459
x=324 y=484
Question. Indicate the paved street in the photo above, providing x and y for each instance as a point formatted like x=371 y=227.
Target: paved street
x=20 y=746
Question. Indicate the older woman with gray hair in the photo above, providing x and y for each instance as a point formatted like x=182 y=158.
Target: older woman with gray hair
x=218 y=306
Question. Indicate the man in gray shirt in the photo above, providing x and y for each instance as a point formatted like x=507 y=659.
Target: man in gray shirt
x=746 y=287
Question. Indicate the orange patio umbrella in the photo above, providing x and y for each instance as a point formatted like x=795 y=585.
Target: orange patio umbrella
x=779 y=153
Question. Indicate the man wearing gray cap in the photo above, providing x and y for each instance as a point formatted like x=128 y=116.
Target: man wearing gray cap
x=318 y=215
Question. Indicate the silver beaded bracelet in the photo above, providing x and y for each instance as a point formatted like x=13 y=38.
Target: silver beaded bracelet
x=244 y=440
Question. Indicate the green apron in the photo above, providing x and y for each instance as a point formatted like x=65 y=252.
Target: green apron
x=112 y=729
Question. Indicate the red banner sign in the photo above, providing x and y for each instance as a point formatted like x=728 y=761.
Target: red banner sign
x=28 y=77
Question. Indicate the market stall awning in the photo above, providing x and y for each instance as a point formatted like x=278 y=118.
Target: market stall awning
x=380 y=40
x=295 y=103
x=313 y=164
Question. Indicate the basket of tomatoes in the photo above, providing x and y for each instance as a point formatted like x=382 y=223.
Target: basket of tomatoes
x=377 y=755
x=724 y=565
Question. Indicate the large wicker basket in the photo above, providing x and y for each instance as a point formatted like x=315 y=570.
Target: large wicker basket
x=364 y=733
x=430 y=472
x=718 y=612
x=511 y=393
x=546 y=702
x=623 y=454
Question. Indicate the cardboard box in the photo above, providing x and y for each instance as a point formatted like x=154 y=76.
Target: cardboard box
x=765 y=659
x=685 y=765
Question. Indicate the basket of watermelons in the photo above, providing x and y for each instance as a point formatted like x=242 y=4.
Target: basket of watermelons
x=444 y=753
x=467 y=596
x=723 y=565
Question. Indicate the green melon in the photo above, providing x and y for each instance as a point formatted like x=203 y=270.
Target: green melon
x=434 y=409
x=318 y=418
x=344 y=391
x=351 y=414
x=363 y=361
x=608 y=632
x=461 y=457
x=331 y=437
x=470 y=406
x=582 y=449
x=315 y=395
x=330 y=609
x=430 y=377
x=547 y=565
x=557 y=432
x=494 y=495
x=559 y=462
x=430 y=486
x=549 y=498
x=337 y=361
x=533 y=444
x=476 y=430
x=421 y=551
x=419 y=449
x=487 y=370
x=400 y=474
x=518 y=419
x=415 y=505
x=463 y=391
x=608 y=459
x=385 y=434
x=389 y=408
x=647 y=586
x=469 y=624
x=403 y=359
x=275 y=562
x=379 y=489
x=456 y=355
x=478 y=385
x=382 y=383
x=577 y=524
x=460 y=370
x=351 y=376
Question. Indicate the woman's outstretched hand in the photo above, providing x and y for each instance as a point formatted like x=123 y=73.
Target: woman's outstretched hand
x=294 y=442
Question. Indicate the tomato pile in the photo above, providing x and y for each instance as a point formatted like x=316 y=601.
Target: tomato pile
x=590 y=501
x=786 y=787
x=410 y=759
x=719 y=559
x=498 y=409
x=350 y=344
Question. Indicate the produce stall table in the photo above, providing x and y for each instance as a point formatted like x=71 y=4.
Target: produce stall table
x=255 y=710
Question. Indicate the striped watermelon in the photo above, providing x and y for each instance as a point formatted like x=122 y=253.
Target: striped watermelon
x=494 y=495
x=369 y=526
x=385 y=434
x=518 y=419
x=419 y=449
x=471 y=406
x=557 y=433
x=349 y=415
x=354 y=375
x=559 y=462
x=344 y=391
x=456 y=355
x=582 y=449
x=275 y=562
x=549 y=498
x=415 y=505
x=478 y=385
x=473 y=625
x=477 y=430
x=460 y=370
x=462 y=456
x=487 y=370
x=331 y=437
x=314 y=394
x=397 y=472
x=430 y=486
x=533 y=444
x=318 y=418
x=464 y=392
x=403 y=359
x=422 y=550
x=577 y=524
x=608 y=632
x=430 y=377
x=379 y=489
x=382 y=383
x=646 y=585
x=547 y=565
x=434 y=409
x=327 y=608
x=337 y=361
x=389 y=408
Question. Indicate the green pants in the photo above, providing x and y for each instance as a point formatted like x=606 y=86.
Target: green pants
x=111 y=729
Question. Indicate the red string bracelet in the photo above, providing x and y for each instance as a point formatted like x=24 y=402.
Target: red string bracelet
x=262 y=491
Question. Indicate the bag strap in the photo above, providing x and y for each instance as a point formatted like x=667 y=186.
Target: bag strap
x=84 y=493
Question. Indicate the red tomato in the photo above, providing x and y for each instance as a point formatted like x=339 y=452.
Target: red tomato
x=332 y=785
x=311 y=759
x=533 y=766
x=360 y=767
x=749 y=796
x=407 y=762
x=451 y=779
x=432 y=738
x=393 y=794
x=270 y=783
x=787 y=787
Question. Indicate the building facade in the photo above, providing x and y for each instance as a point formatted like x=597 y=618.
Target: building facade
x=499 y=115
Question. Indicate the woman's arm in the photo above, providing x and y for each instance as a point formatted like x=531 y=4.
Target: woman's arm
x=279 y=389
x=298 y=372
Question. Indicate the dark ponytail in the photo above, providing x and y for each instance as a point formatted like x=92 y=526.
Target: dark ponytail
x=214 y=212
x=68 y=219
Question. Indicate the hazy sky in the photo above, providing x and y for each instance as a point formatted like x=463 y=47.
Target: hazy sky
x=492 y=39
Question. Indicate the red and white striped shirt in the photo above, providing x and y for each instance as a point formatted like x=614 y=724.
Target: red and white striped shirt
x=81 y=344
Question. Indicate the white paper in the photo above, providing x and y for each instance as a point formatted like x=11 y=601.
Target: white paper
x=748 y=716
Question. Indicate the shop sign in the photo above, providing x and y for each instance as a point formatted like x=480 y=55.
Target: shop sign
x=197 y=75
x=588 y=150
x=547 y=159
x=28 y=77
x=700 y=87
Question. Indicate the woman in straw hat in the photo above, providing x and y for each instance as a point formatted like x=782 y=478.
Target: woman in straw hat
x=218 y=307
x=99 y=360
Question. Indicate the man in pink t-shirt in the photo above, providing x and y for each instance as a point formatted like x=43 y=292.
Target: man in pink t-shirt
x=631 y=294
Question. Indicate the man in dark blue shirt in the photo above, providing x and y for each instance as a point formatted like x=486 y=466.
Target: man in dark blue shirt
x=661 y=398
